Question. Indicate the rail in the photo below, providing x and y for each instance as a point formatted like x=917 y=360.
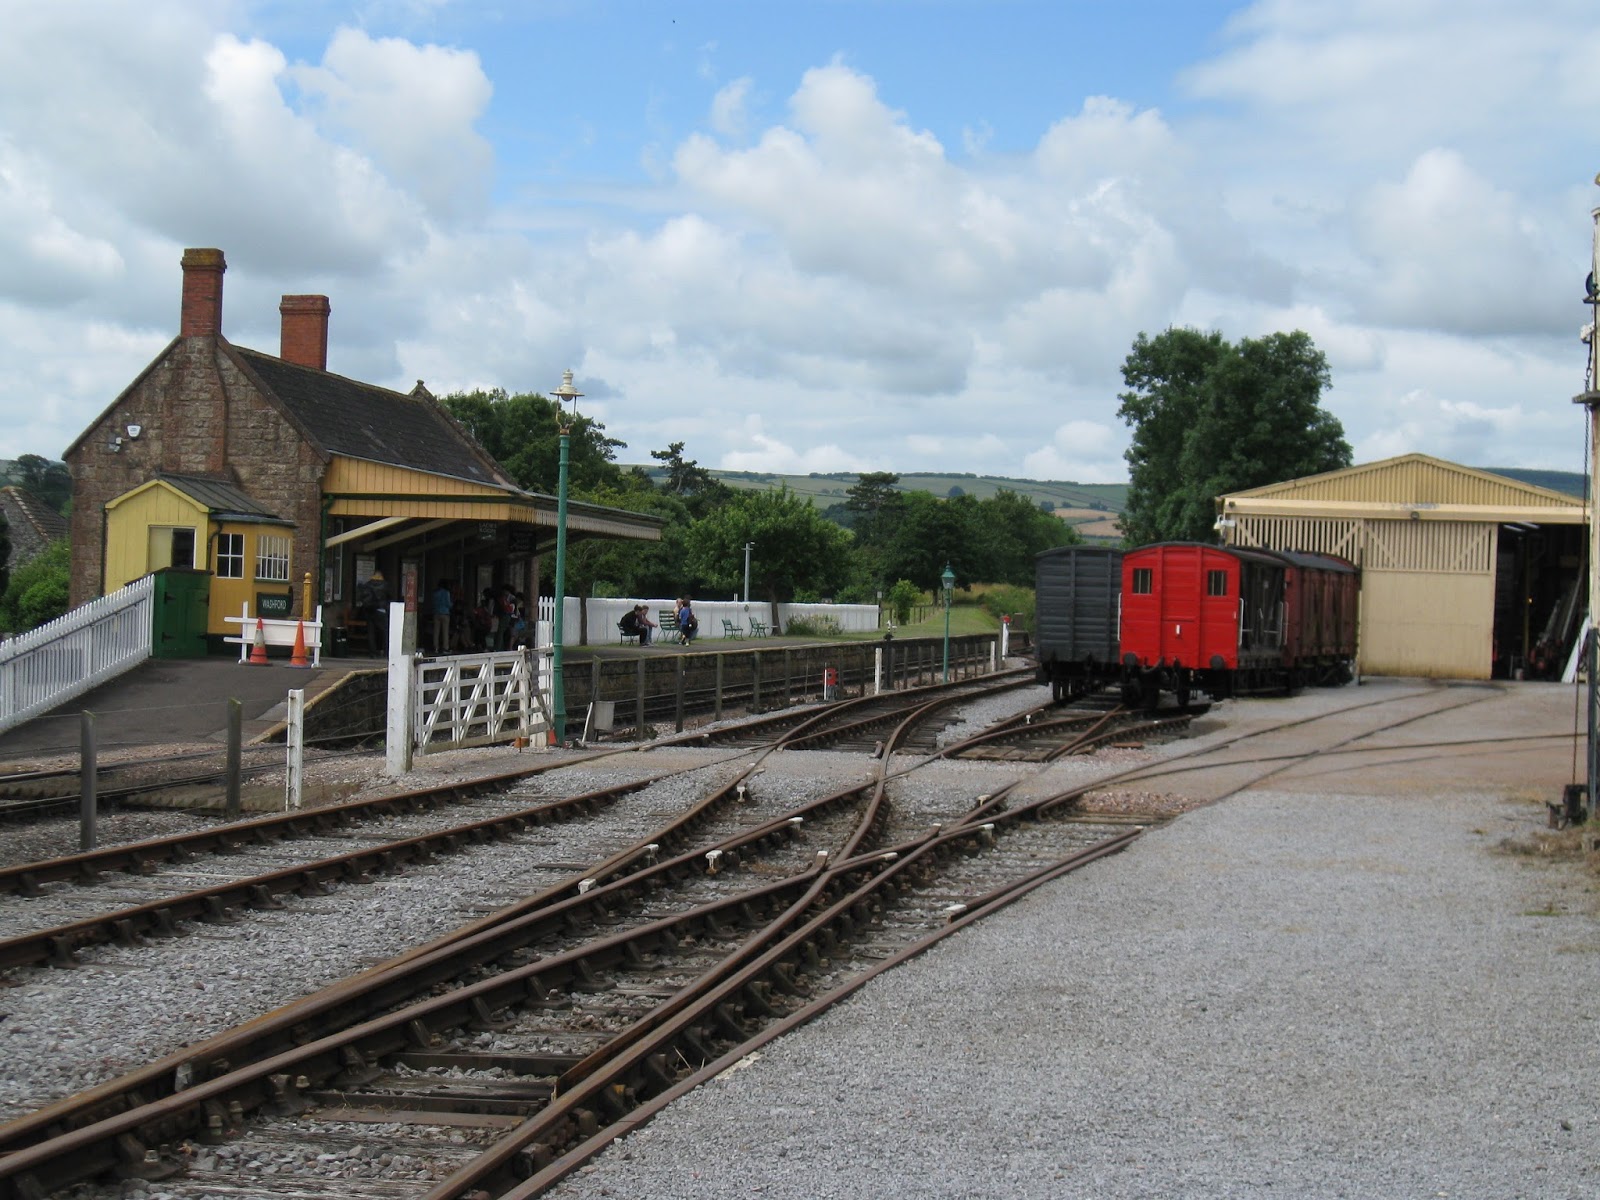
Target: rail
x=77 y=651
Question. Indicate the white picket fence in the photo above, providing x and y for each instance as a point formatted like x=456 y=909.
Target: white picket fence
x=77 y=651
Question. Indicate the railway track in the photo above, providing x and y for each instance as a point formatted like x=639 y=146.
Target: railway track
x=494 y=943
x=511 y=1071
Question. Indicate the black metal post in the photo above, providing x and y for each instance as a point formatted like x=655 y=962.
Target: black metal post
x=231 y=806
x=678 y=711
x=716 y=698
x=755 y=682
x=638 y=703
x=87 y=811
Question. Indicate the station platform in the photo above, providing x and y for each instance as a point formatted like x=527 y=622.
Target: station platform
x=169 y=700
x=185 y=701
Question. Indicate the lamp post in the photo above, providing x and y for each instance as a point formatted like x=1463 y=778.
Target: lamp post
x=948 y=578
x=558 y=691
x=747 y=548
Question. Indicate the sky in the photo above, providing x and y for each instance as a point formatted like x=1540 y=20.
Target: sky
x=844 y=235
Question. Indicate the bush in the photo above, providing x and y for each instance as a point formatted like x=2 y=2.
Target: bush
x=817 y=625
x=900 y=599
x=37 y=591
x=1007 y=598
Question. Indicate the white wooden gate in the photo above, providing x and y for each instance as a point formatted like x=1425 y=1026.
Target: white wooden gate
x=479 y=699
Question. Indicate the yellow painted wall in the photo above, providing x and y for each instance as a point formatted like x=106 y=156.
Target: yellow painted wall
x=229 y=595
x=1439 y=625
x=128 y=523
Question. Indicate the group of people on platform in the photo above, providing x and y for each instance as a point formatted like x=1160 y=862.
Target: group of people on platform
x=498 y=621
x=636 y=622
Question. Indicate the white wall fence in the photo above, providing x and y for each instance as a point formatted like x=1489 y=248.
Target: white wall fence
x=605 y=613
x=77 y=651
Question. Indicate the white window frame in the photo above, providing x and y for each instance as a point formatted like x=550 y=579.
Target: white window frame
x=272 y=557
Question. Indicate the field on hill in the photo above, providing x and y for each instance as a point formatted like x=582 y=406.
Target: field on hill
x=833 y=488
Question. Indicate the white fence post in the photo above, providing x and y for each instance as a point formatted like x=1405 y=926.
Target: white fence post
x=295 y=743
x=397 y=747
x=877 y=671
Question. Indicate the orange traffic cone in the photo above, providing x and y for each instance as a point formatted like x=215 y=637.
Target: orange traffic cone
x=298 y=657
x=258 y=652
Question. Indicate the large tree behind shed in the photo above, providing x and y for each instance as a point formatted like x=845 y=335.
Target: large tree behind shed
x=1210 y=417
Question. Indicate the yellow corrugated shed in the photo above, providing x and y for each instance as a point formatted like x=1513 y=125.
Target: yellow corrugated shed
x=1426 y=534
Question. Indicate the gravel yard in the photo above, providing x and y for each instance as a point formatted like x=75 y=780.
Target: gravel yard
x=1335 y=983
x=1334 y=988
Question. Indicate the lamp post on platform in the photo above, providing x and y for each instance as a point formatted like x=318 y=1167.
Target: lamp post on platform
x=558 y=691
x=948 y=579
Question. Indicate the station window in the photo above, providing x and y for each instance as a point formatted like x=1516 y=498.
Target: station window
x=1216 y=583
x=230 y=556
x=1143 y=581
x=272 y=557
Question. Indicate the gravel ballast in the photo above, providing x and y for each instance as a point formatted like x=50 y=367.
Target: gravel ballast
x=1290 y=993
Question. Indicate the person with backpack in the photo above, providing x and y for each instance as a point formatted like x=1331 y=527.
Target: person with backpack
x=688 y=624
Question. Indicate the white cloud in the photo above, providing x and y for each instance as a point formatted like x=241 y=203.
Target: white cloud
x=1083 y=451
x=728 y=109
x=1447 y=250
x=412 y=108
x=834 y=289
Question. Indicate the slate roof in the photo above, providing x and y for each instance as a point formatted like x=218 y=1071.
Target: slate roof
x=222 y=499
x=361 y=420
x=31 y=524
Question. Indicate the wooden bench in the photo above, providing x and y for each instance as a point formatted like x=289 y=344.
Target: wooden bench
x=758 y=628
x=668 y=620
x=625 y=638
x=730 y=630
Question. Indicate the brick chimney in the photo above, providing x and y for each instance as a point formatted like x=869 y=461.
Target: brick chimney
x=305 y=331
x=202 y=293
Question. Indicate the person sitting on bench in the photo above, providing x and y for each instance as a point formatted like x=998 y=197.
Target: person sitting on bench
x=637 y=623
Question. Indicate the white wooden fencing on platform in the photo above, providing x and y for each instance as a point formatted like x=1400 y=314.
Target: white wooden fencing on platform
x=77 y=651
x=478 y=699
x=276 y=632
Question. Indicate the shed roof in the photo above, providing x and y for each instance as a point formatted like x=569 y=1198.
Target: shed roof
x=1414 y=486
x=1413 y=479
x=221 y=498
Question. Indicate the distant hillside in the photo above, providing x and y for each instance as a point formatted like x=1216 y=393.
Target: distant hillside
x=1570 y=483
x=823 y=490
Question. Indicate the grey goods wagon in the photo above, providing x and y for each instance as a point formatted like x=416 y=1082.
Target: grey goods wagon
x=1078 y=590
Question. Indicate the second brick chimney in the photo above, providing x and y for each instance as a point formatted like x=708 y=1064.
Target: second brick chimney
x=201 y=314
x=305 y=331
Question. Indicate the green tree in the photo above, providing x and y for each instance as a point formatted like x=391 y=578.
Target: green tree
x=796 y=549
x=48 y=480
x=37 y=590
x=929 y=535
x=1010 y=532
x=1211 y=417
x=522 y=433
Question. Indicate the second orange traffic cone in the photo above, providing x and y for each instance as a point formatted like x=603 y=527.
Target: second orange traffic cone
x=298 y=657
x=258 y=652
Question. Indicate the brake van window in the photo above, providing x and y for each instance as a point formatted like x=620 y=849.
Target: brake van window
x=1143 y=580
x=1216 y=583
